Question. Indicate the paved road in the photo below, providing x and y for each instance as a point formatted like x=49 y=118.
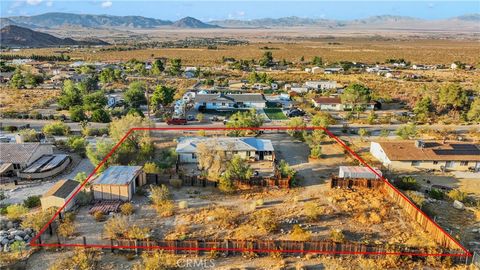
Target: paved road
x=38 y=124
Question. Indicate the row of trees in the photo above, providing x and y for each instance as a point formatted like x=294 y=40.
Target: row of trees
x=452 y=99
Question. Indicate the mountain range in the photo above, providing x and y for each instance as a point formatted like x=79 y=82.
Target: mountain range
x=62 y=20
x=16 y=36
x=58 y=19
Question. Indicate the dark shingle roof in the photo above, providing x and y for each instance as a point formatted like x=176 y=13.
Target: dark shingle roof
x=17 y=152
x=62 y=188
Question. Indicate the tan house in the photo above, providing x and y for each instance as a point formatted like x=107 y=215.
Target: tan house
x=411 y=155
x=118 y=183
x=58 y=195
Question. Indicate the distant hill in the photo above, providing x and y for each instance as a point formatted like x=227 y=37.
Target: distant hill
x=189 y=22
x=58 y=19
x=16 y=36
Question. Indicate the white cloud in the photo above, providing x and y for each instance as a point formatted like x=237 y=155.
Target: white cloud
x=107 y=4
x=34 y=2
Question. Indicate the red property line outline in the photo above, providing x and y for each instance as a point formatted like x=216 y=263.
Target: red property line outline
x=34 y=243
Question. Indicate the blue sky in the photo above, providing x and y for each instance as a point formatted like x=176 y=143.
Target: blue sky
x=229 y=9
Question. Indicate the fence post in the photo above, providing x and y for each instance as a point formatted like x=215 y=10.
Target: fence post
x=50 y=229
x=111 y=245
x=84 y=240
x=136 y=247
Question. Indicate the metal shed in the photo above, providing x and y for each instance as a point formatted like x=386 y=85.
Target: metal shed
x=357 y=172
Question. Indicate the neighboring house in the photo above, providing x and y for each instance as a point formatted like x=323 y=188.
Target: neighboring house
x=409 y=155
x=118 y=183
x=321 y=85
x=334 y=70
x=328 y=103
x=229 y=101
x=247 y=148
x=316 y=70
x=335 y=104
x=58 y=195
x=19 y=156
x=354 y=172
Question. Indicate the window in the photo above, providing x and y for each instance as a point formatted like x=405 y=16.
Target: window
x=449 y=164
x=415 y=163
x=234 y=152
x=248 y=153
x=16 y=166
x=214 y=104
x=435 y=162
x=223 y=103
x=194 y=156
x=463 y=163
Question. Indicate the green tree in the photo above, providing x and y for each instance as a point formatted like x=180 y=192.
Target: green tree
x=29 y=135
x=407 y=131
x=356 y=96
x=96 y=153
x=296 y=128
x=108 y=75
x=237 y=169
x=452 y=96
x=77 y=144
x=162 y=95
x=77 y=114
x=135 y=94
x=88 y=84
x=80 y=177
x=245 y=119
x=33 y=80
x=317 y=61
x=70 y=95
x=100 y=116
x=17 y=80
x=423 y=108
x=175 y=68
x=267 y=59
x=157 y=67
x=474 y=112
x=94 y=101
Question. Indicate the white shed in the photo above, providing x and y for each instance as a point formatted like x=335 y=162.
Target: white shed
x=358 y=172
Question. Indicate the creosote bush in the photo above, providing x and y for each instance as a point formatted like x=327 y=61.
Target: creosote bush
x=127 y=209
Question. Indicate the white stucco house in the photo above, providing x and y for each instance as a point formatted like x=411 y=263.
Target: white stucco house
x=321 y=85
x=229 y=101
x=245 y=147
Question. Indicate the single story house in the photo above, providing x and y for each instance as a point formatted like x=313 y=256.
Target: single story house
x=18 y=156
x=321 y=85
x=409 y=155
x=118 y=183
x=229 y=101
x=59 y=193
x=247 y=147
x=333 y=70
x=335 y=104
x=355 y=172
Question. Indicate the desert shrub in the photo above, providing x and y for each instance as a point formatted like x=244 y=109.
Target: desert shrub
x=375 y=218
x=159 y=194
x=183 y=205
x=151 y=168
x=259 y=202
x=266 y=220
x=165 y=209
x=224 y=217
x=408 y=183
x=66 y=229
x=37 y=220
x=56 y=128
x=135 y=232
x=127 y=209
x=312 y=210
x=300 y=234
x=175 y=182
x=417 y=198
x=436 y=194
x=99 y=216
x=458 y=195
x=157 y=260
x=337 y=236
x=82 y=259
x=115 y=227
x=16 y=212
x=32 y=202
x=77 y=144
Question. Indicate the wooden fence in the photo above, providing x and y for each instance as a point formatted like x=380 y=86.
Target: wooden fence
x=232 y=247
x=438 y=235
x=193 y=180
x=350 y=183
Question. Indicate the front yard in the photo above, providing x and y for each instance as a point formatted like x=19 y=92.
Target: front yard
x=275 y=114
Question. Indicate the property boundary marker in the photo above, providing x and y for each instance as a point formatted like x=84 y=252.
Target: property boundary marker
x=33 y=241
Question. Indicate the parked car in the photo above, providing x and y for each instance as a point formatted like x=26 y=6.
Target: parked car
x=295 y=113
x=191 y=118
x=177 y=121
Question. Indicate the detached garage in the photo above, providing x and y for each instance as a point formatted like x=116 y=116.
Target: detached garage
x=58 y=195
x=118 y=183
